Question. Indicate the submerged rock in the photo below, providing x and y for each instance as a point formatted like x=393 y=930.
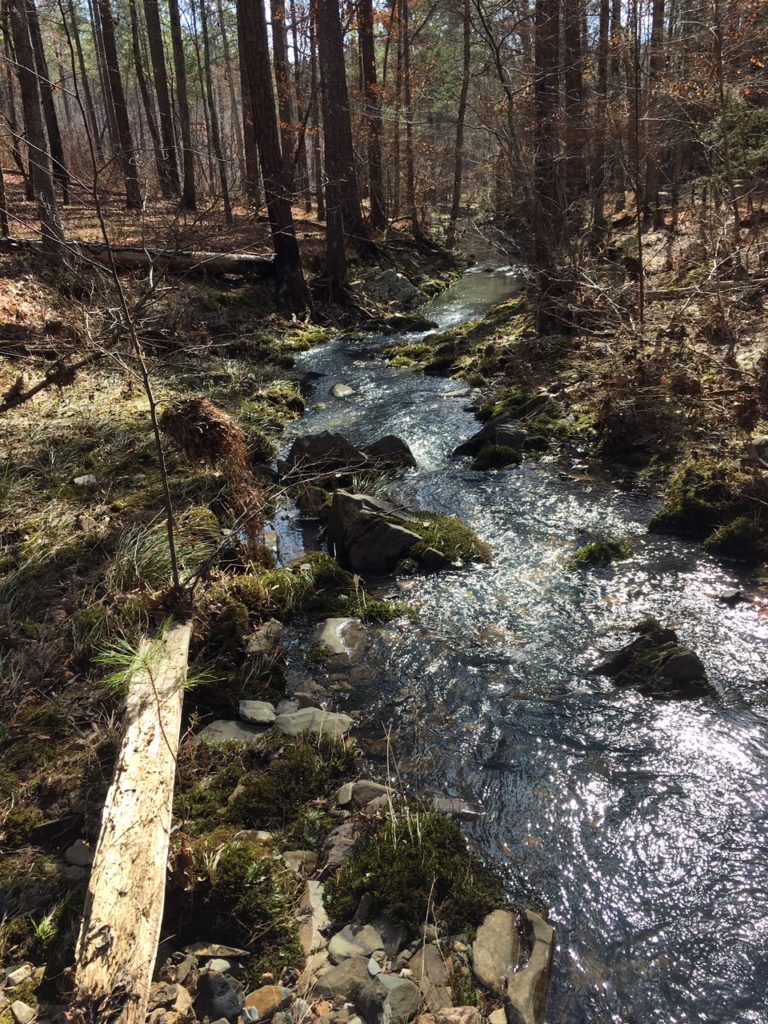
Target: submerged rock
x=390 y=453
x=342 y=391
x=342 y=640
x=658 y=665
x=501 y=431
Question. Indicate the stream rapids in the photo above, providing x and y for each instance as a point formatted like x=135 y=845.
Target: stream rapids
x=641 y=825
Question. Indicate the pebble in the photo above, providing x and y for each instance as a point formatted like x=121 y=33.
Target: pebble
x=354 y=942
x=87 y=480
x=268 y=1000
x=219 y=964
x=216 y=998
x=19 y=975
x=373 y=968
x=260 y=712
x=22 y=1013
x=342 y=391
x=79 y=854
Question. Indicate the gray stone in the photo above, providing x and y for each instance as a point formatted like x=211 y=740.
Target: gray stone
x=287 y=706
x=87 y=480
x=731 y=597
x=265 y=638
x=360 y=793
x=301 y=862
x=401 y=1002
x=374 y=967
x=344 y=794
x=390 y=453
x=456 y=807
x=344 y=640
x=388 y=287
x=528 y=989
x=351 y=941
x=314 y=720
x=429 y=972
x=318 y=456
x=259 y=712
x=362 y=533
x=314 y=919
x=18 y=976
x=658 y=665
x=219 y=964
x=225 y=731
x=343 y=981
x=22 y=1013
x=338 y=846
x=496 y=950
x=342 y=391
x=268 y=1000
x=79 y=854
x=216 y=997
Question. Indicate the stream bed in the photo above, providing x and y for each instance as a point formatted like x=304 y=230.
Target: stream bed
x=641 y=825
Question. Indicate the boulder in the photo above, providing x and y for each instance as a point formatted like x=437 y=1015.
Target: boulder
x=365 y=534
x=528 y=989
x=301 y=862
x=496 y=950
x=388 y=287
x=429 y=972
x=343 y=981
x=342 y=391
x=314 y=720
x=656 y=664
x=360 y=793
x=23 y=1013
x=354 y=941
x=216 y=998
x=501 y=430
x=268 y=1000
x=321 y=455
x=258 y=712
x=390 y=453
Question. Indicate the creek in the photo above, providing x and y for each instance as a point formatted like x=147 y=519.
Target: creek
x=641 y=825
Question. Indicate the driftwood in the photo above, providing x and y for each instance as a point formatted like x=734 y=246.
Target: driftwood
x=168 y=260
x=117 y=946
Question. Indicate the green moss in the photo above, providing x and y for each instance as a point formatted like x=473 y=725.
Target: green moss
x=450 y=536
x=496 y=456
x=742 y=539
x=700 y=496
x=416 y=868
x=515 y=400
x=602 y=552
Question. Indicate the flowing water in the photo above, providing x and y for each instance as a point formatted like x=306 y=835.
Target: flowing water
x=642 y=825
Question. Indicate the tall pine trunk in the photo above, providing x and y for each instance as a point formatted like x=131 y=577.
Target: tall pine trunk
x=372 y=114
x=601 y=109
x=214 y=116
x=126 y=154
x=90 y=110
x=410 y=172
x=548 y=211
x=458 y=160
x=39 y=157
x=146 y=97
x=170 y=179
x=282 y=82
x=257 y=73
x=188 y=192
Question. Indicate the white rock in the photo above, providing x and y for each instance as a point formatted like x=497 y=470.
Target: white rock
x=87 y=480
x=260 y=712
x=324 y=723
x=22 y=1013
x=19 y=975
x=342 y=391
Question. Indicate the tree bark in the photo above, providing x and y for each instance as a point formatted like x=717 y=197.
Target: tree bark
x=56 y=146
x=123 y=913
x=126 y=154
x=282 y=83
x=39 y=157
x=215 y=133
x=574 y=103
x=317 y=160
x=410 y=173
x=233 y=104
x=255 y=66
x=458 y=163
x=11 y=115
x=372 y=114
x=101 y=63
x=548 y=213
x=340 y=170
x=90 y=110
x=170 y=180
x=188 y=192
x=146 y=97
x=601 y=109
x=651 y=209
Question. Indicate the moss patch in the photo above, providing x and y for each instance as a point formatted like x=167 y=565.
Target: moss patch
x=450 y=536
x=742 y=539
x=417 y=868
x=601 y=552
x=496 y=456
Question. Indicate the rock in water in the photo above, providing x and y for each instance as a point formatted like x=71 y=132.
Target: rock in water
x=496 y=950
x=342 y=391
x=362 y=535
x=216 y=998
x=390 y=452
x=528 y=989
x=658 y=665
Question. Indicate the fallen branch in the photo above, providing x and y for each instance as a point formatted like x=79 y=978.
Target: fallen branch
x=117 y=946
x=60 y=375
x=168 y=260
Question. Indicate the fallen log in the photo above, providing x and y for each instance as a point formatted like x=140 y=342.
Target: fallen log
x=171 y=261
x=118 y=940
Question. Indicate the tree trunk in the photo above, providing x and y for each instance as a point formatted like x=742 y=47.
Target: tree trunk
x=601 y=109
x=56 y=146
x=548 y=213
x=255 y=65
x=13 y=121
x=127 y=157
x=450 y=239
x=410 y=174
x=188 y=194
x=170 y=180
x=282 y=83
x=340 y=171
x=215 y=134
x=302 y=165
x=90 y=110
x=39 y=157
x=146 y=97
x=574 y=104
x=117 y=946
x=651 y=209
x=101 y=63
x=250 y=128
x=317 y=161
x=372 y=113
x=3 y=207
x=233 y=104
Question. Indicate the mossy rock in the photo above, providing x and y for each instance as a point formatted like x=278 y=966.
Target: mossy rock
x=602 y=553
x=496 y=456
x=743 y=539
x=448 y=535
x=416 y=867
x=700 y=496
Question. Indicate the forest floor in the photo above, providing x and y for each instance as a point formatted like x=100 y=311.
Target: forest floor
x=680 y=403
